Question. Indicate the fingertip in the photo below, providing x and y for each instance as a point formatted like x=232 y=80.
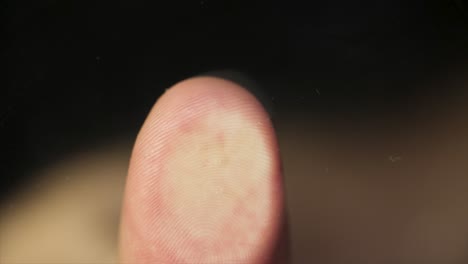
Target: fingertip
x=206 y=148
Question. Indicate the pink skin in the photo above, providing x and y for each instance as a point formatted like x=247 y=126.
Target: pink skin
x=153 y=230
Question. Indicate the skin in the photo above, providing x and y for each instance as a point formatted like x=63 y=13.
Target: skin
x=205 y=182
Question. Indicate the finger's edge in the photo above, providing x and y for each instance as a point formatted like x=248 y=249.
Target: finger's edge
x=246 y=82
x=282 y=251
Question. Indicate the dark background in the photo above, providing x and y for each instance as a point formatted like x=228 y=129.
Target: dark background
x=80 y=73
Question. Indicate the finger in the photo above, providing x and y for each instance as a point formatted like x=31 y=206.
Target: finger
x=204 y=183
